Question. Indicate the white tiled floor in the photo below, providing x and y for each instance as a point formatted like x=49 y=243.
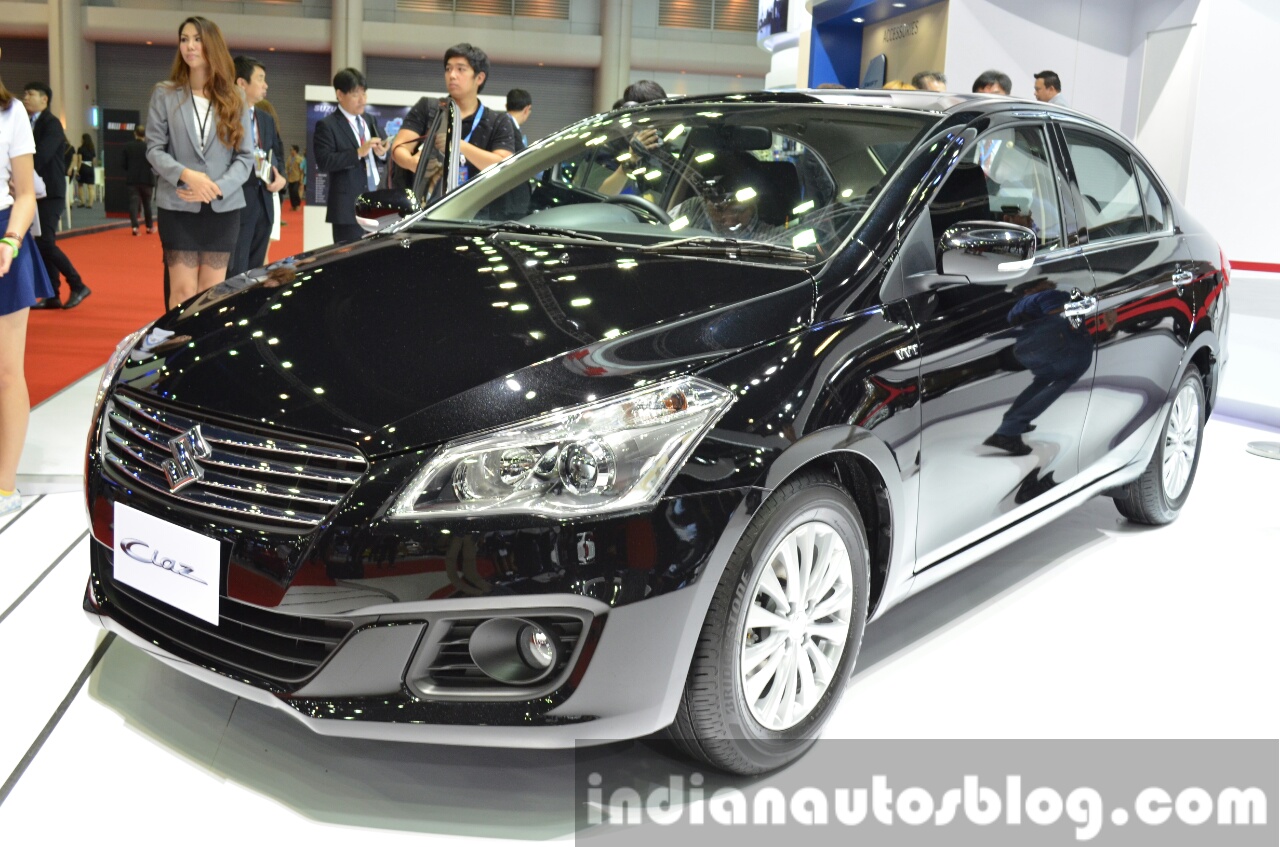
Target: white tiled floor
x=1089 y=628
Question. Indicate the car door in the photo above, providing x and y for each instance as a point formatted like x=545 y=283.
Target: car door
x=1005 y=366
x=1141 y=270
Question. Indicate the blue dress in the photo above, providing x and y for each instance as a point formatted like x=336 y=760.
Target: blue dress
x=27 y=280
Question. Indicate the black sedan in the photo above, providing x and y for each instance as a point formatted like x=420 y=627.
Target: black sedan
x=639 y=428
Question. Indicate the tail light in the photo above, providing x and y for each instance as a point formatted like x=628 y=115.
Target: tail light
x=1226 y=267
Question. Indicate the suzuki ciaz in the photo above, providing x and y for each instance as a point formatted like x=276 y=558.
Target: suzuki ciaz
x=638 y=429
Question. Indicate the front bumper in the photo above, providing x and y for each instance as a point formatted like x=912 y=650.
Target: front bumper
x=626 y=684
x=361 y=672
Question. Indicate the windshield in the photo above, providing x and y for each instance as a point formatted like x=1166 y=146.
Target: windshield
x=800 y=176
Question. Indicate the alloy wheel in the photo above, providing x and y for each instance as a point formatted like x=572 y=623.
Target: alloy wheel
x=1181 y=436
x=796 y=628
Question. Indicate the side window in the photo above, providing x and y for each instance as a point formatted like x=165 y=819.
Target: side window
x=1154 y=202
x=1006 y=176
x=1112 y=202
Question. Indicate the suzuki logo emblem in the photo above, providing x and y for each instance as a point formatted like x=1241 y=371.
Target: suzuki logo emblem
x=182 y=469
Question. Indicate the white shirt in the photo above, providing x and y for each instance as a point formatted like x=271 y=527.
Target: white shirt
x=203 y=109
x=15 y=140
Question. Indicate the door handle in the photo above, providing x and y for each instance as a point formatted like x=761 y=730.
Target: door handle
x=1181 y=278
x=1080 y=308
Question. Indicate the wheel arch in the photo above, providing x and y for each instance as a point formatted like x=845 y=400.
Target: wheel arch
x=1202 y=354
x=867 y=470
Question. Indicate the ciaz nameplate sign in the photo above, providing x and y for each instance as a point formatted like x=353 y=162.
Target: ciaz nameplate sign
x=170 y=563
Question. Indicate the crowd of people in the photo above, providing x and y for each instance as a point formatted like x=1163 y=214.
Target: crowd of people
x=1047 y=86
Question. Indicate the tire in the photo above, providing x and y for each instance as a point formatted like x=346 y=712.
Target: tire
x=1156 y=497
x=733 y=714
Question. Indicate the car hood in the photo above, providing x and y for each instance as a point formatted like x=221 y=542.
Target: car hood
x=405 y=340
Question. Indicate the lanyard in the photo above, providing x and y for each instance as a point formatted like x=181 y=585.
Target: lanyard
x=201 y=125
x=475 y=122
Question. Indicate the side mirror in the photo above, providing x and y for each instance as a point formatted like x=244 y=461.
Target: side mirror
x=379 y=209
x=986 y=251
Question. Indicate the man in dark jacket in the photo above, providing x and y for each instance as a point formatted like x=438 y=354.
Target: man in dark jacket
x=51 y=141
x=258 y=215
x=344 y=142
x=139 y=177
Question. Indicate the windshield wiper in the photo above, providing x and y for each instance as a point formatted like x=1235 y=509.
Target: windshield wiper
x=731 y=247
x=498 y=227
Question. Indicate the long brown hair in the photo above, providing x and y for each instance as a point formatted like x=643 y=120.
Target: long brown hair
x=5 y=97
x=221 y=87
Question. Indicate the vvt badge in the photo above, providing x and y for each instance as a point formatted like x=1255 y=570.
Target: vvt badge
x=182 y=469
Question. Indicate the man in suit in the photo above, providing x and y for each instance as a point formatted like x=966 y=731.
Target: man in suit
x=140 y=179
x=51 y=142
x=343 y=143
x=519 y=107
x=258 y=215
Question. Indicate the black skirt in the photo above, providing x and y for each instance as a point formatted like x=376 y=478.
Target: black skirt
x=205 y=231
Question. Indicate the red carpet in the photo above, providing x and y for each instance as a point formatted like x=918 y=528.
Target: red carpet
x=127 y=278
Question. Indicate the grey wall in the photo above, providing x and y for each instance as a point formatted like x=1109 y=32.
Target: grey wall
x=24 y=60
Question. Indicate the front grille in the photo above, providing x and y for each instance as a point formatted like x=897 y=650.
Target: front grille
x=453 y=668
x=260 y=645
x=266 y=479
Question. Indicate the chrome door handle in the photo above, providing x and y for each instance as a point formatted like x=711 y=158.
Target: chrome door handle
x=1181 y=278
x=1083 y=307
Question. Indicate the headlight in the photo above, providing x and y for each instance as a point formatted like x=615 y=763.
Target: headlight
x=116 y=362
x=610 y=456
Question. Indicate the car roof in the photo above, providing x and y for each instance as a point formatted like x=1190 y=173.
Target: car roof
x=914 y=101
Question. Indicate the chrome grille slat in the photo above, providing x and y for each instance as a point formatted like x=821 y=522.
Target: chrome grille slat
x=222 y=482
x=213 y=432
x=261 y=478
x=195 y=497
x=221 y=458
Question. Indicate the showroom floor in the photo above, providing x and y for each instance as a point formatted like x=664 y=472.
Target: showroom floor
x=1089 y=628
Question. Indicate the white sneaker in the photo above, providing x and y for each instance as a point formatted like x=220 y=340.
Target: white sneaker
x=10 y=503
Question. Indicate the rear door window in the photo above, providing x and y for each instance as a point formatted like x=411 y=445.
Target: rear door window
x=1108 y=187
x=1157 y=207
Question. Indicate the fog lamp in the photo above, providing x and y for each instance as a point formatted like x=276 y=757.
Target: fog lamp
x=514 y=651
x=536 y=647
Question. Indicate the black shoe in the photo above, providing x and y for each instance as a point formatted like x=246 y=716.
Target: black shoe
x=76 y=297
x=1011 y=444
x=48 y=303
x=135 y=230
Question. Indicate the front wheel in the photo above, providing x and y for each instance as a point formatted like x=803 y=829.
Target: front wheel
x=1156 y=497
x=782 y=634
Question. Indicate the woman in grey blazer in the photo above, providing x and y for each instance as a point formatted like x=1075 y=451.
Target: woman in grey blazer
x=199 y=142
